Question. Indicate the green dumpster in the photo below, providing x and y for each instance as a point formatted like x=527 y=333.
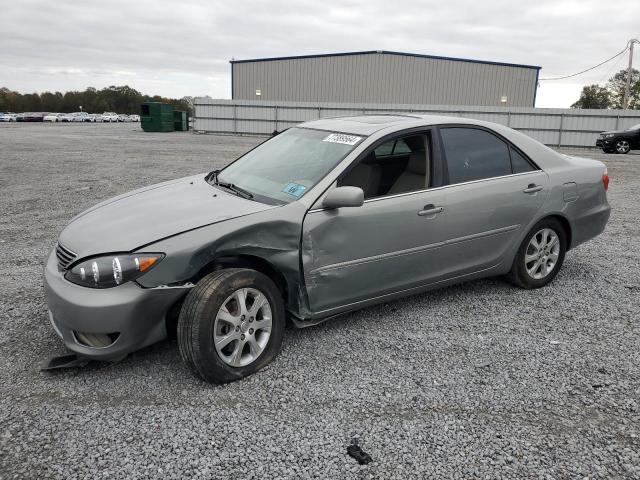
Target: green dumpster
x=180 y=121
x=156 y=117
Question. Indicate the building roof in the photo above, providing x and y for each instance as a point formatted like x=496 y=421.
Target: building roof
x=387 y=52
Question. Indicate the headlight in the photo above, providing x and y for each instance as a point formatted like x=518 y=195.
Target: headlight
x=112 y=270
x=609 y=135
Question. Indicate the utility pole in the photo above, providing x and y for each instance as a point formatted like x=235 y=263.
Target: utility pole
x=627 y=90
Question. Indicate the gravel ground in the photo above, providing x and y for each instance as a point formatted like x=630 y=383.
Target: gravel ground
x=478 y=380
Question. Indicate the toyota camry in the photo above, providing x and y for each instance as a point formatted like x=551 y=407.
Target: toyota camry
x=322 y=219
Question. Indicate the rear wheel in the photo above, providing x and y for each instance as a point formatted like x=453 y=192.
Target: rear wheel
x=622 y=146
x=231 y=325
x=540 y=255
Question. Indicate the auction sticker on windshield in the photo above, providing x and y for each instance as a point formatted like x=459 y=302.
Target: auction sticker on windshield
x=342 y=138
x=294 y=189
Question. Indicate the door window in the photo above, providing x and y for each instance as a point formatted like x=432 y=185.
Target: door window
x=474 y=154
x=519 y=164
x=398 y=165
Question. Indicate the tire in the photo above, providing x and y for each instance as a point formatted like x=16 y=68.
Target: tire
x=622 y=146
x=199 y=323
x=520 y=270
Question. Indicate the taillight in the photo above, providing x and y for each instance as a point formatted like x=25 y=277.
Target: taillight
x=605 y=180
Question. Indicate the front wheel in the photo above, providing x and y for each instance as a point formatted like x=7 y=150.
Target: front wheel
x=540 y=255
x=231 y=325
x=622 y=146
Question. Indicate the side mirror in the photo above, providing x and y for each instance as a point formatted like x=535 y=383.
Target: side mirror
x=344 y=197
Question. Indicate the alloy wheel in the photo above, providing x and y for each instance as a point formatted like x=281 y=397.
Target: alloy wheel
x=242 y=327
x=542 y=253
x=622 y=146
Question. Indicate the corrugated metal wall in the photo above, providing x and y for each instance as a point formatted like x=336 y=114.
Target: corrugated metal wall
x=384 y=78
x=551 y=126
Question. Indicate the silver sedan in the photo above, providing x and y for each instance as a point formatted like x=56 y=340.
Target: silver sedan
x=324 y=218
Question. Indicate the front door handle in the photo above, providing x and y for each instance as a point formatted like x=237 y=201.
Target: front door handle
x=533 y=188
x=429 y=210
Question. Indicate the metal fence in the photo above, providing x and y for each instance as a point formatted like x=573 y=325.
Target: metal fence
x=551 y=126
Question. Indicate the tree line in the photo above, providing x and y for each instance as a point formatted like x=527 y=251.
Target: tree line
x=611 y=95
x=122 y=99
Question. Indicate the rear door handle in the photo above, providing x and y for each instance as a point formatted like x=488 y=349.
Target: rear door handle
x=430 y=209
x=533 y=188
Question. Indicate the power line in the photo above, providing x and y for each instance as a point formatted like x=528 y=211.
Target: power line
x=611 y=68
x=591 y=68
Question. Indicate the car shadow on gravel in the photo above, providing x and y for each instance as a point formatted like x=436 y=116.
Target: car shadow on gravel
x=164 y=357
x=162 y=361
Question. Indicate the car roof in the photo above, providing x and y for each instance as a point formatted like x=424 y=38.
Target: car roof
x=367 y=125
x=370 y=124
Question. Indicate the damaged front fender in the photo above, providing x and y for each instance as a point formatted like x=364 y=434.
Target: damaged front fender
x=271 y=235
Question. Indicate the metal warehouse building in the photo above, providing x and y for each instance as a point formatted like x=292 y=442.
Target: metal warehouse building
x=384 y=77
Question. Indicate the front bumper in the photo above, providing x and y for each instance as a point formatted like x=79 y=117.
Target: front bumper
x=133 y=315
x=604 y=143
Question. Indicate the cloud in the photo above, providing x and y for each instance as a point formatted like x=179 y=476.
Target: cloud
x=183 y=48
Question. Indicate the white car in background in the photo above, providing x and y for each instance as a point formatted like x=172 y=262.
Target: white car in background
x=53 y=117
x=109 y=117
x=8 y=117
x=123 y=118
x=134 y=118
x=80 y=117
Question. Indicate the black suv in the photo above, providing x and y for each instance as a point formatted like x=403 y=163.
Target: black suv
x=620 y=141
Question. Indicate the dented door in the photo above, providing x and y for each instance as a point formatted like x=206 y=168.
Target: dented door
x=387 y=245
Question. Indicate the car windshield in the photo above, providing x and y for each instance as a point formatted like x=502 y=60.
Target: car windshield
x=634 y=127
x=286 y=166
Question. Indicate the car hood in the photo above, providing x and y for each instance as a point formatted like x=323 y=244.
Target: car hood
x=618 y=132
x=144 y=216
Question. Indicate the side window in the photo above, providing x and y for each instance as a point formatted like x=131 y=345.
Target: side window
x=399 y=165
x=385 y=149
x=393 y=147
x=519 y=164
x=474 y=154
x=401 y=147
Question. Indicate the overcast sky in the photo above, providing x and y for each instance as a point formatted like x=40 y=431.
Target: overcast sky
x=178 y=48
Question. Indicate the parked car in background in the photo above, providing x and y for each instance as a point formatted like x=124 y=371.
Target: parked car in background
x=80 y=116
x=123 y=117
x=134 y=118
x=620 y=141
x=109 y=117
x=53 y=117
x=279 y=234
x=67 y=117
x=93 y=117
x=32 y=117
x=8 y=117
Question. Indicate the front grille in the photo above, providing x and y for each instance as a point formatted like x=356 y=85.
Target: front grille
x=65 y=256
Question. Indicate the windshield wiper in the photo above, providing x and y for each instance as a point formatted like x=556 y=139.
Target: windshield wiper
x=212 y=177
x=241 y=192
